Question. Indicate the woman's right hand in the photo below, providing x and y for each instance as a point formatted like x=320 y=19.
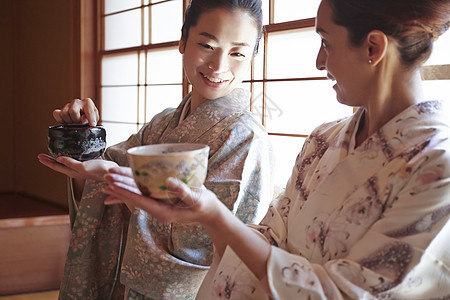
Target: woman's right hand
x=78 y=111
x=200 y=205
x=91 y=169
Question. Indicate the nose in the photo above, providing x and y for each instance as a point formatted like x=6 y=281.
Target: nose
x=320 y=60
x=219 y=63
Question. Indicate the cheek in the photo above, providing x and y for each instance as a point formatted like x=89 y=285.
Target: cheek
x=331 y=63
x=194 y=58
x=240 y=68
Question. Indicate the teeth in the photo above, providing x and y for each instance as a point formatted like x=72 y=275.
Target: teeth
x=215 y=80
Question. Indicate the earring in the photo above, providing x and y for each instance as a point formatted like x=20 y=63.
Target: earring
x=370 y=61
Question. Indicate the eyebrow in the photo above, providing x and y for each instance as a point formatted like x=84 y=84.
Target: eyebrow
x=321 y=30
x=212 y=37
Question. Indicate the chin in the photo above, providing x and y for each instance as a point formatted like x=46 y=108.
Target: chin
x=343 y=101
x=212 y=96
x=340 y=97
x=217 y=93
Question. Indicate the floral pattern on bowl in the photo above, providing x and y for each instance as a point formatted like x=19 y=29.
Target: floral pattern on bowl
x=153 y=164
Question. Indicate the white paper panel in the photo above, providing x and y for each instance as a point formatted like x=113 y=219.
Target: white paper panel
x=299 y=107
x=119 y=104
x=118 y=5
x=123 y=30
x=166 y=21
x=293 y=54
x=290 y=10
x=120 y=69
x=164 y=66
x=162 y=97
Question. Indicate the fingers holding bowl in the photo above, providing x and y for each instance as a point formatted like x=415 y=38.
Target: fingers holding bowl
x=132 y=197
x=188 y=196
x=78 y=111
x=186 y=210
x=124 y=171
x=123 y=176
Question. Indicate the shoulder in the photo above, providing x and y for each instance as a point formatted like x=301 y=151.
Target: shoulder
x=240 y=130
x=165 y=114
x=160 y=119
x=333 y=129
x=250 y=121
x=246 y=126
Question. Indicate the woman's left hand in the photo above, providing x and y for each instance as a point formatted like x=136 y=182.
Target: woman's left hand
x=194 y=206
x=91 y=169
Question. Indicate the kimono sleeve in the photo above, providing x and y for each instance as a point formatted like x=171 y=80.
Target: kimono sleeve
x=403 y=255
x=255 y=163
x=145 y=136
x=274 y=224
x=230 y=278
x=240 y=174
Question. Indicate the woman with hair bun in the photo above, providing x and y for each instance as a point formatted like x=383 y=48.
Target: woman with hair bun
x=124 y=253
x=365 y=213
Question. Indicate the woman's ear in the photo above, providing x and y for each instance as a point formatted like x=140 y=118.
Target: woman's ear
x=377 y=45
x=182 y=45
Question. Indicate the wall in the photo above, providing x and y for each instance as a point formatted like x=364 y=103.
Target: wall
x=41 y=73
x=6 y=96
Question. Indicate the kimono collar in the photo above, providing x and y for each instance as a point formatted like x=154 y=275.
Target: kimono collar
x=236 y=101
x=208 y=114
x=427 y=112
x=409 y=127
x=185 y=111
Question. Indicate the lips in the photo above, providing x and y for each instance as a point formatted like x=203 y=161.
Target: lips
x=213 y=79
x=330 y=77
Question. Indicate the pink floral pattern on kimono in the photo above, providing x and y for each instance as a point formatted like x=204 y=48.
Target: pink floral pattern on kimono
x=374 y=224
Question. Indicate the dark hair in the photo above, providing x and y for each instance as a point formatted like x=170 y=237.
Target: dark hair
x=414 y=24
x=197 y=7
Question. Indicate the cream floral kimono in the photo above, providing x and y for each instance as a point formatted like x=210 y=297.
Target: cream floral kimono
x=364 y=223
x=169 y=261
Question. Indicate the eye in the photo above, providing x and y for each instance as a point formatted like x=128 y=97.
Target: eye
x=237 y=54
x=206 y=46
x=324 y=44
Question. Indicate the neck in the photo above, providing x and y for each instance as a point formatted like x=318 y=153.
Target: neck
x=196 y=101
x=389 y=98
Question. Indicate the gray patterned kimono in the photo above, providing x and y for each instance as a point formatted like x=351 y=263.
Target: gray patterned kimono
x=169 y=261
x=370 y=222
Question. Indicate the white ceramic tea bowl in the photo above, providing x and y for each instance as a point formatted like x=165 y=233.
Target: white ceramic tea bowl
x=153 y=164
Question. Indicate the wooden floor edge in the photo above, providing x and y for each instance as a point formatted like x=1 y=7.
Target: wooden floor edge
x=34 y=221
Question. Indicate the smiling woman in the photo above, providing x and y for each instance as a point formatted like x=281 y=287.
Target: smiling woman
x=217 y=57
x=153 y=259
